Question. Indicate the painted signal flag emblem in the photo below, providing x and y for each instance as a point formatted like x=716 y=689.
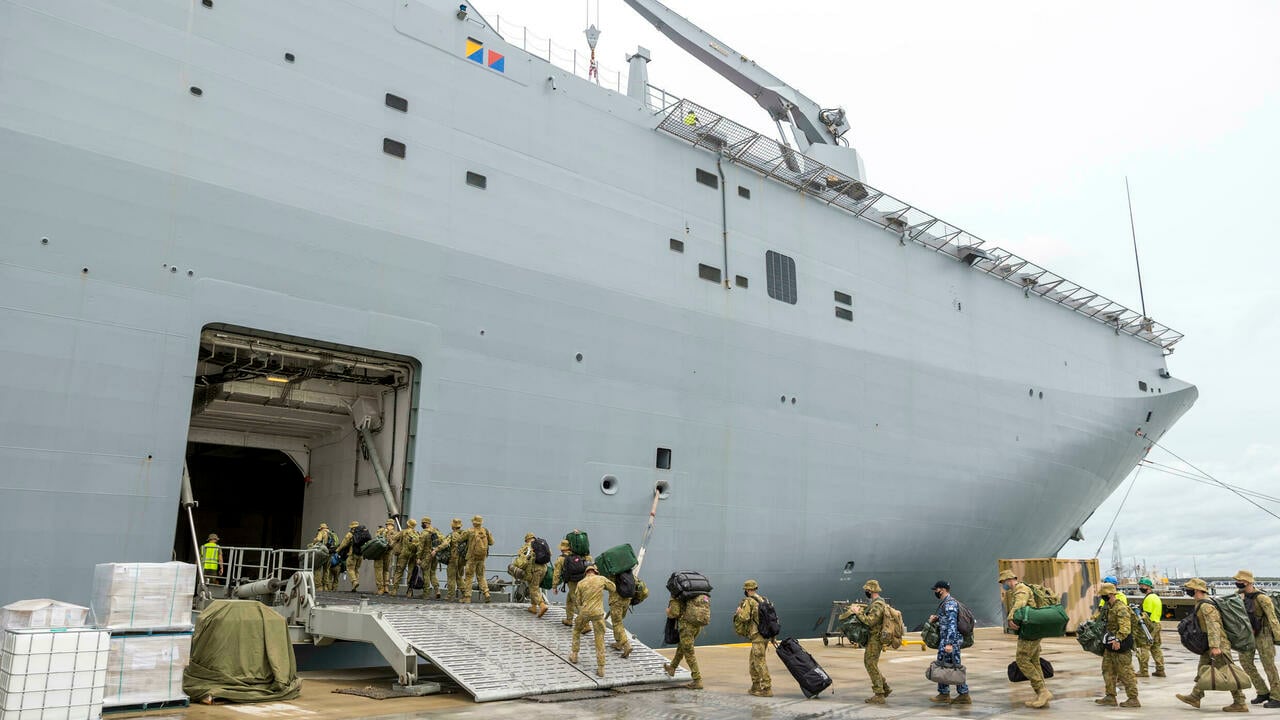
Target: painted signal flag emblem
x=476 y=53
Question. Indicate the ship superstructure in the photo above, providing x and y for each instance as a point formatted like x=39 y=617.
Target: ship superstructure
x=302 y=246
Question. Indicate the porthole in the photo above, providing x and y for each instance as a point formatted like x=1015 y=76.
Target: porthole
x=664 y=489
x=578 y=357
x=609 y=485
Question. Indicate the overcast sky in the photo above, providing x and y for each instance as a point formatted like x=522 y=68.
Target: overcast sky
x=1018 y=121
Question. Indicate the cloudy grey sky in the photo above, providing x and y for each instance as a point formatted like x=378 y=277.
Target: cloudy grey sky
x=1018 y=122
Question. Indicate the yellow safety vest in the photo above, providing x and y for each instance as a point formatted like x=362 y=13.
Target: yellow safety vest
x=1153 y=607
x=212 y=554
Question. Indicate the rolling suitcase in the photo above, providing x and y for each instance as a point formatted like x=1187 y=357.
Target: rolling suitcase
x=807 y=672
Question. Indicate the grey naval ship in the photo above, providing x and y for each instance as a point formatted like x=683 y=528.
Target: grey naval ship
x=343 y=257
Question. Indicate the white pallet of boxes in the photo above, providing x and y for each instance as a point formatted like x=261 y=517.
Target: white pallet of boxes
x=53 y=673
x=147 y=608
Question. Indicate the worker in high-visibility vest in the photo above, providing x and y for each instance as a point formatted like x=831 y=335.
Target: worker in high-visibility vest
x=211 y=556
x=691 y=119
x=1152 y=611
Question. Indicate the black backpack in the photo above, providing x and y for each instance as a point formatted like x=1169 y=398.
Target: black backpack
x=767 y=625
x=541 y=551
x=575 y=568
x=625 y=582
x=1192 y=637
x=359 y=537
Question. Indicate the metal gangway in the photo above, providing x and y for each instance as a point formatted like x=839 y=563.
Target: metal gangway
x=495 y=651
x=735 y=143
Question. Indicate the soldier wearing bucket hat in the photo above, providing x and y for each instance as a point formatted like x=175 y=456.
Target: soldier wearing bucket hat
x=746 y=622
x=873 y=617
x=1028 y=653
x=1211 y=623
x=1117 y=653
x=1262 y=616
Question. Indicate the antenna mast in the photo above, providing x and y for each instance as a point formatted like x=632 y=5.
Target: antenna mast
x=1141 y=296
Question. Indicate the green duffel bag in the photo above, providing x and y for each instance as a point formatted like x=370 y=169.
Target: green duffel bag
x=857 y=633
x=1089 y=635
x=546 y=580
x=375 y=548
x=579 y=544
x=1040 y=623
x=932 y=636
x=616 y=560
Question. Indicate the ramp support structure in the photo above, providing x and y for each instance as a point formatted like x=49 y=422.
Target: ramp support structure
x=328 y=624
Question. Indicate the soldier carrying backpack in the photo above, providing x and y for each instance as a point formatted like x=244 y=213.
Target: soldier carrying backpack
x=885 y=627
x=757 y=621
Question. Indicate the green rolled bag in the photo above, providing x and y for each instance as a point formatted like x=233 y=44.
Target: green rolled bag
x=855 y=630
x=931 y=634
x=375 y=548
x=579 y=544
x=616 y=560
x=1222 y=674
x=1040 y=623
x=1089 y=635
x=546 y=580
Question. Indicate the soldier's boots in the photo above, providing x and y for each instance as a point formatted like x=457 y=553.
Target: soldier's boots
x=486 y=598
x=695 y=685
x=1041 y=700
x=1159 y=673
x=1191 y=700
x=599 y=671
x=626 y=653
x=573 y=658
x=962 y=700
x=543 y=610
x=1261 y=699
x=1236 y=707
x=1130 y=703
x=1142 y=673
x=887 y=689
x=877 y=699
x=567 y=621
x=1106 y=700
x=669 y=669
x=941 y=698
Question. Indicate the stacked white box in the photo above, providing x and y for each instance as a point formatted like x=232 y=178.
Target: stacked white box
x=42 y=613
x=147 y=669
x=53 y=674
x=143 y=596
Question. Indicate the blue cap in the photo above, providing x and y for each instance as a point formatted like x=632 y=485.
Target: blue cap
x=1111 y=579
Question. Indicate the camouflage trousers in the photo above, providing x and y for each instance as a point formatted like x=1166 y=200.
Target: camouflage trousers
x=453 y=573
x=1237 y=696
x=1028 y=660
x=570 y=602
x=430 y=580
x=1266 y=653
x=353 y=570
x=618 y=613
x=403 y=571
x=534 y=577
x=382 y=572
x=757 y=666
x=1152 y=651
x=684 y=649
x=597 y=634
x=474 y=573
x=871 y=661
x=1117 y=667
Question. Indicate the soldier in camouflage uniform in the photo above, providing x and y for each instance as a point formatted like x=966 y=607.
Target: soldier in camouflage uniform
x=348 y=547
x=873 y=617
x=326 y=573
x=1219 y=645
x=452 y=545
x=747 y=623
x=1262 y=615
x=382 y=565
x=558 y=579
x=1117 y=664
x=428 y=538
x=1028 y=654
x=590 y=601
x=618 y=607
x=684 y=649
x=479 y=541
x=405 y=549
x=533 y=574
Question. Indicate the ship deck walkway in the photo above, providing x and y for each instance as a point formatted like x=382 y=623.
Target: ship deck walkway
x=493 y=651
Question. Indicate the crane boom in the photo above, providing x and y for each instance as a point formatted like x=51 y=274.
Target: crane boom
x=784 y=103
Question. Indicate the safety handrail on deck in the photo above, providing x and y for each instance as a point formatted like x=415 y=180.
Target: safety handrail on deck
x=740 y=145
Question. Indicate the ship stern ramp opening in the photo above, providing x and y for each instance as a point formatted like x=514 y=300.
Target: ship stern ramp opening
x=494 y=651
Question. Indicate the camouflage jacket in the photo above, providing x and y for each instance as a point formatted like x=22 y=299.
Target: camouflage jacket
x=590 y=594
x=1020 y=596
x=617 y=602
x=322 y=538
x=423 y=541
x=558 y=568
x=1211 y=622
x=1262 y=607
x=675 y=608
x=524 y=556
x=478 y=541
x=406 y=543
x=747 y=616
x=345 y=546
x=873 y=615
x=450 y=543
x=1119 y=617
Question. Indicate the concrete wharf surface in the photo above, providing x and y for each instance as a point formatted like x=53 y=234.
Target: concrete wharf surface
x=1077 y=682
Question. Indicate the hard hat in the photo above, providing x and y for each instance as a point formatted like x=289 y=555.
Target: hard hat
x=750 y=585
x=1147 y=582
x=1007 y=575
x=1107 y=589
x=1196 y=584
x=476 y=519
x=1111 y=579
x=872 y=585
x=1243 y=576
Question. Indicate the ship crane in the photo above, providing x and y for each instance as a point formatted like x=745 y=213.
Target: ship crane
x=817 y=131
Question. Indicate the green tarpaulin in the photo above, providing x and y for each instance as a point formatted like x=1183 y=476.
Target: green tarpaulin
x=241 y=652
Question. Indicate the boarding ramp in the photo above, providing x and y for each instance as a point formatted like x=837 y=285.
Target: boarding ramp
x=494 y=651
